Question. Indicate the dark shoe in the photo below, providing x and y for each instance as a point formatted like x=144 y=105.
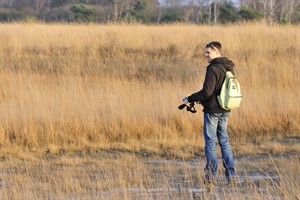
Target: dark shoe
x=231 y=181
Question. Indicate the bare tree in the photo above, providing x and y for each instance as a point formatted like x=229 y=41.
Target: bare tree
x=283 y=10
x=115 y=9
x=271 y=12
x=154 y=10
x=40 y=5
x=188 y=10
x=272 y=9
x=291 y=5
x=120 y=7
x=6 y=3
x=216 y=11
x=201 y=5
x=173 y=3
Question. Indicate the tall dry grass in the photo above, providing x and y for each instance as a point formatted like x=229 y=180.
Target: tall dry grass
x=90 y=87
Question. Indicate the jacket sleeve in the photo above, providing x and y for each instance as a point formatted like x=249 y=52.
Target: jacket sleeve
x=209 y=86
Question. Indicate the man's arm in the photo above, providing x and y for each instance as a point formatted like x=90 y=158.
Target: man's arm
x=209 y=86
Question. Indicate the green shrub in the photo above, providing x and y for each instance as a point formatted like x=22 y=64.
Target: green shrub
x=296 y=18
x=228 y=13
x=172 y=16
x=82 y=13
x=247 y=14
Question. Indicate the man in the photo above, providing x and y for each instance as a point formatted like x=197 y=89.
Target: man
x=215 y=118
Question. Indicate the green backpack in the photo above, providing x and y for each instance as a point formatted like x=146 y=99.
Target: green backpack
x=230 y=95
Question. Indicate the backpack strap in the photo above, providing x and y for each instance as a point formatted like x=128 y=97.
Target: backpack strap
x=224 y=69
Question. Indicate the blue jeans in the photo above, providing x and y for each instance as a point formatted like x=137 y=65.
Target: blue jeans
x=215 y=125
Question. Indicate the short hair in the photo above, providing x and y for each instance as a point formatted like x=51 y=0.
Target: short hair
x=215 y=45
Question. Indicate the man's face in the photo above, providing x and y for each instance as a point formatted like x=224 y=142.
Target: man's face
x=211 y=53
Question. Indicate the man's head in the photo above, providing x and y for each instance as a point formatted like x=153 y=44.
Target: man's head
x=213 y=50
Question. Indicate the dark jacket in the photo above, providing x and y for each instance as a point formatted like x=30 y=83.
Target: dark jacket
x=212 y=85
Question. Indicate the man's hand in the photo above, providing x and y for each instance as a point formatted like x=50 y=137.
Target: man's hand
x=186 y=101
x=189 y=105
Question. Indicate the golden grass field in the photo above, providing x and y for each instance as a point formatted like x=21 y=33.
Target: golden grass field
x=68 y=90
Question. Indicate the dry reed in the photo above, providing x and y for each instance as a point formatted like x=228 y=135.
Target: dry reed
x=128 y=177
x=93 y=87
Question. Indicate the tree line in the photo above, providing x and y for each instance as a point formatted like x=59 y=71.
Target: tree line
x=151 y=11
